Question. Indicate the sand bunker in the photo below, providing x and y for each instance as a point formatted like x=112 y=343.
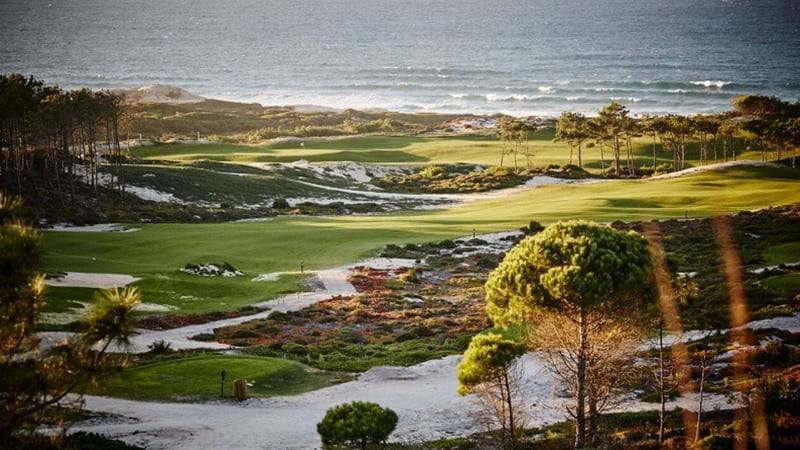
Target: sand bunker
x=92 y=280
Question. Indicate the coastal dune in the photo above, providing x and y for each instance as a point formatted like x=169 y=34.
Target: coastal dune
x=158 y=93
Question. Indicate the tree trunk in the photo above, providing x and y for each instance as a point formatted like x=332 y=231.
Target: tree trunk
x=570 y=153
x=629 y=151
x=703 y=367
x=661 y=388
x=654 y=153
x=592 y=420
x=602 y=162
x=580 y=400
x=509 y=404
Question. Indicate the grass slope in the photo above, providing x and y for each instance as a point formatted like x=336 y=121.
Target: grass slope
x=418 y=150
x=157 y=251
x=198 y=378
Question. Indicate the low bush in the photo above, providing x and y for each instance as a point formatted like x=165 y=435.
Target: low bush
x=361 y=425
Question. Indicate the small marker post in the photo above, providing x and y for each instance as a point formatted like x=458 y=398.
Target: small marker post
x=222 y=383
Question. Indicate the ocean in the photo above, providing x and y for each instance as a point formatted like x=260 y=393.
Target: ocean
x=534 y=57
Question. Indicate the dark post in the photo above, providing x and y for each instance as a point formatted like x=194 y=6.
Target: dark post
x=222 y=383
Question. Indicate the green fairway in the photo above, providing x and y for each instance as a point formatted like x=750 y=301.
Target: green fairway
x=223 y=174
x=198 y=378
x=787 y=285
x=703 y=194
x=156 y=252
x=783 y=254
x=410 y=150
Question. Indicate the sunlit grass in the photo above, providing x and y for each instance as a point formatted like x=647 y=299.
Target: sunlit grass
x=485 y=150
x=158 y=251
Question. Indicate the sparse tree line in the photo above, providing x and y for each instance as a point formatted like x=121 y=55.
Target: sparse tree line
x=767 y=123
x=56 y=135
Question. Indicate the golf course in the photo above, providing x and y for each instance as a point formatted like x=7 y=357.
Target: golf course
x=316 y=270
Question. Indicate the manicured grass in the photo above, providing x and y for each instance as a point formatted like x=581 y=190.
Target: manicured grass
x=700 y=195
x=198 y=378
x=63 y=299
x=157 y=251
x=787 y=285
x=413 y=150
x=783 y=254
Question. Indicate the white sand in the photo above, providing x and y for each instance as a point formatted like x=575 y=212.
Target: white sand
x=424 y=396
x=92 y=280
x=158 y=93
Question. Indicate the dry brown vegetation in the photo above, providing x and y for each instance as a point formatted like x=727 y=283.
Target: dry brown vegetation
x=253 y=122
x=422 y=314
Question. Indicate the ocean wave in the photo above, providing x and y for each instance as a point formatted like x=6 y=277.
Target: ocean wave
x=708 y=83
x=627 y=99
x=507 y=98
x=547 y=90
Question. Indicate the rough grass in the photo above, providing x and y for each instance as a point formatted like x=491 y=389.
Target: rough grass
x=198 y=378
x=215 y=187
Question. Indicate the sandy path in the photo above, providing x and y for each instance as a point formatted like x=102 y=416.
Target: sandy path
x=424 y=397
x=334 y=282
x=541 y=180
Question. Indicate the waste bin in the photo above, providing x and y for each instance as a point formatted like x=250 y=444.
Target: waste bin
x=239 y=390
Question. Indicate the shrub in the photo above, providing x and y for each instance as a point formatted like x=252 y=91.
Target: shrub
x=358 y=424
x=280 y=203
x=160 y=347
x=204 y=337
x=533 y=228
x=432 y=172
x=245 y=334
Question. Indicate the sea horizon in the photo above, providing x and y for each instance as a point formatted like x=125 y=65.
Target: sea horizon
x=536 y=58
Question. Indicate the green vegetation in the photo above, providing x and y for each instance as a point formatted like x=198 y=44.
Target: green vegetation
x=362 y=425
x=197 y=378
x=252 y=122
x=440 y=180
x=787 y=285
x=222 y=183
x=279 y=245
x=39 y=385
x=788 y=253
x=577 y=283
x=488 y=371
